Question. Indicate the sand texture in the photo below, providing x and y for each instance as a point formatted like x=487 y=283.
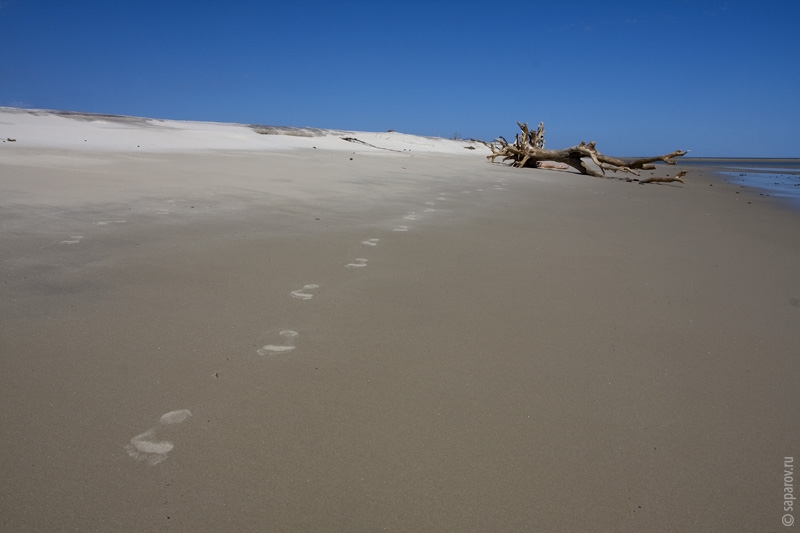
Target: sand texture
x=298 y=333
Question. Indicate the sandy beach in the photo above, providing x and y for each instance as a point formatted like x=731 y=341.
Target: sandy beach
x=204 y=328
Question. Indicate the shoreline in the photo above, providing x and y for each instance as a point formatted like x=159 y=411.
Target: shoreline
x=773 y=178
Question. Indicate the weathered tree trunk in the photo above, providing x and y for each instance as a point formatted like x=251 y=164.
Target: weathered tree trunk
x=528 y=151
x=678 y=177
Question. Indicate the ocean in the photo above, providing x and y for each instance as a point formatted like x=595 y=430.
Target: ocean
x=776 y=177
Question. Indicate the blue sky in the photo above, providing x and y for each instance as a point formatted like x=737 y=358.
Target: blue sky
x=719 y=78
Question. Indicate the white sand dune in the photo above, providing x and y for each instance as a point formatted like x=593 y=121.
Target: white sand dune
x=34 y=128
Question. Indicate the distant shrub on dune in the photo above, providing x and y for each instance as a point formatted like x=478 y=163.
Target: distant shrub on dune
x=288 y=130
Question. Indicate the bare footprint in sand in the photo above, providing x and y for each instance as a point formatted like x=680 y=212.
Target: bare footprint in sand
x=300 y=295
x=288 y=345
x=360 y=263
x=146 y=447
x=370 y=242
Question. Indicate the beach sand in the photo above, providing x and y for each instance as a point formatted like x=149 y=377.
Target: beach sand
x=276 y=337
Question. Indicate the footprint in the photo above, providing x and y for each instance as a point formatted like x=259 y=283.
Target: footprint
x=401 y=228
x=360 y=264
x=75 y=239
x=300 y=295
x=287 y=334
x=145 y=447
x=370 y=242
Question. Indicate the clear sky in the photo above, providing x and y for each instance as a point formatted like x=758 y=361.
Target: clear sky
x=639 y=77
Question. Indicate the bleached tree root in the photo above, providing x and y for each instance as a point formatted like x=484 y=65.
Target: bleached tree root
x=528 y=150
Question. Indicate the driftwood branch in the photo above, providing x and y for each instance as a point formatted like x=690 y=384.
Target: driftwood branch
x=359 y=141
x=528 y=150
x=678 y=177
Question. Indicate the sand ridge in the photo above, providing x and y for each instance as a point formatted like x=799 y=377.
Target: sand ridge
x=103 y=133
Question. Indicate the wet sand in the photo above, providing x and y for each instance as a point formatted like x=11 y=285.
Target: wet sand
x=537 y=350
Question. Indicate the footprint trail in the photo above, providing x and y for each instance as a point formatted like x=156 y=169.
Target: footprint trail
x=289 y=337
x=361 y=262
x=300 y=295
x=146 y=447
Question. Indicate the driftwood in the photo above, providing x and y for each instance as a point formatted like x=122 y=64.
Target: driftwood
x=678 y=177
x=359 y=141
x=528 y=151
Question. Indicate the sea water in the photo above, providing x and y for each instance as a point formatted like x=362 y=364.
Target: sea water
x=776 y=177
